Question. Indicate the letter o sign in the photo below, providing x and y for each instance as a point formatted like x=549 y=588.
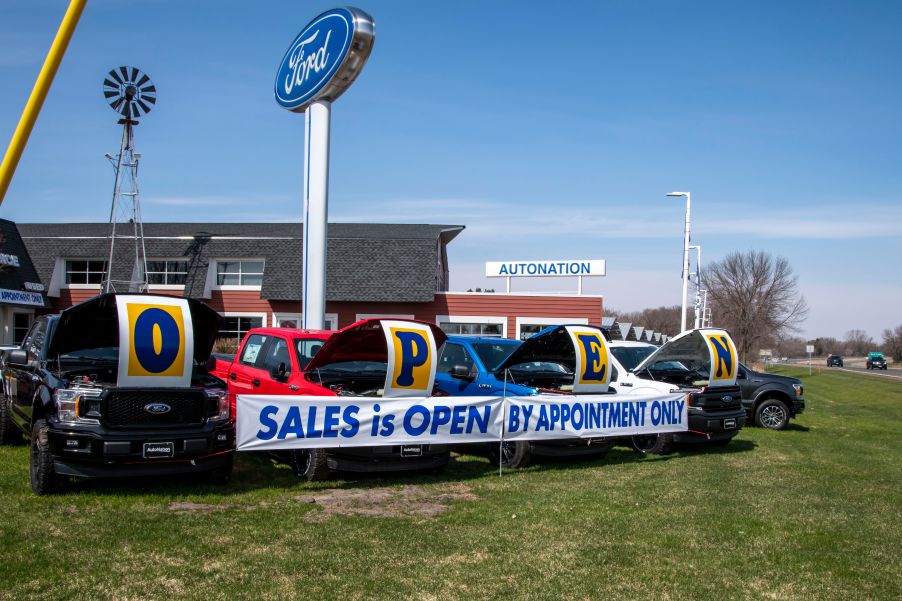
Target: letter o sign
x=157 y=340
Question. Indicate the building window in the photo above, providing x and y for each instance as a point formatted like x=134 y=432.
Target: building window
x=530 y=326
x=491 y=330
x=239 y=273
x=21 y=323
x=473 y=325
x=294 y=320
x=164 y=272
x=85 y=271
x=234 y=328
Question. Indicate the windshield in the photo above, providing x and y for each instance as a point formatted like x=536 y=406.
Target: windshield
x=493 y=353
x=306 y=349
x=540 y=367
x=631 y=356
x=91 y=355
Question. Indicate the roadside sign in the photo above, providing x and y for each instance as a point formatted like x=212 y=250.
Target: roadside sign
x=809 y=349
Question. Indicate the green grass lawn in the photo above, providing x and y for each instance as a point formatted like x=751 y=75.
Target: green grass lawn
x=809 y=513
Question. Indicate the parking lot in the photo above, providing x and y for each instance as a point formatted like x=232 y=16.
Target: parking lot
x=810 y=512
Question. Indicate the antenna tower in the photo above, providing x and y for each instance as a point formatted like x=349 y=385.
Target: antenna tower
x=132 y=94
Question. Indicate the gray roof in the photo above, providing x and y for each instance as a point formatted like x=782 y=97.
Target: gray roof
x=366 y=262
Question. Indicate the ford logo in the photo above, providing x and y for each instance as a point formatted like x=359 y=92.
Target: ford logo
x=157 y=408
x=726 y=399
x=325 y=58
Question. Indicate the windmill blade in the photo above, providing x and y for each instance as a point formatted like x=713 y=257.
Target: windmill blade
x=129 y=91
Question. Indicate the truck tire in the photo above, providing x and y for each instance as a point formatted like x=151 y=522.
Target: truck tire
x=44 y=480
x=510 y=454
x=772 y=414
x=9 y=433
x=653 y=444
x=310 y=464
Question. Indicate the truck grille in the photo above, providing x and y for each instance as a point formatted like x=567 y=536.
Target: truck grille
x=129 y=407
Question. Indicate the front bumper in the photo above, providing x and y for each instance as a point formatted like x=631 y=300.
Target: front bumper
x=95 y=451
x=386 y=459
x=712 y=425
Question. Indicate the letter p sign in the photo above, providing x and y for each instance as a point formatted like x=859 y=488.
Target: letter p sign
x=411 y=359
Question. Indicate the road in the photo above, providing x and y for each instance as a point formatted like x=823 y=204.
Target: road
x=896 y=373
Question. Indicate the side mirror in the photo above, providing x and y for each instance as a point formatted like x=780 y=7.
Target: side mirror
x=279 y=373
x=462 y=372
x=17 y=357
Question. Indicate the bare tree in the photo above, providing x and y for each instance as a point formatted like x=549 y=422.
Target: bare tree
x=828 y=346
x=892 y=342
x=659 y=319
x=858 y=342
x=756 y=297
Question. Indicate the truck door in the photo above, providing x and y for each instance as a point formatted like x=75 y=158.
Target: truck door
x=246 y=374
x=25 y=380
x=451 y=356
x=277 y=367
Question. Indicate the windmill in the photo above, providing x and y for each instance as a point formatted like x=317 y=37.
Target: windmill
x=132 y=94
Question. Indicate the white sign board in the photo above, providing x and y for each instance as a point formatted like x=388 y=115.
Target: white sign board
x=809 y=348
x=538 y=269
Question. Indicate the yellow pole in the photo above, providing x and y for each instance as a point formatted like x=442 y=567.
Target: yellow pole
x=38 y=94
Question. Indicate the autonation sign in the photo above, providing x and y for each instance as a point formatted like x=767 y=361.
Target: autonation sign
x=325 y=58
x=532 y=269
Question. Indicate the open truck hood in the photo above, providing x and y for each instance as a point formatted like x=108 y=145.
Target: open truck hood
x=558 y=344
x=709 y=348
x=362 y=341
x=95 y=324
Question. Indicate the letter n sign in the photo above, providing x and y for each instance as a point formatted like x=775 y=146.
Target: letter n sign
x=412 y=359
x=723 y=359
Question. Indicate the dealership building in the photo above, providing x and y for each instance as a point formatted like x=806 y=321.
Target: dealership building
x=252 y=274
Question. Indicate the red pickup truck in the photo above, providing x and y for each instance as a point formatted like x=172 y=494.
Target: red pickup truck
x=275 y=360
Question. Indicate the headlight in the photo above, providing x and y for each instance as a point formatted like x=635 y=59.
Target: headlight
x=71 y=407
x=222 y=412
x=798 y=388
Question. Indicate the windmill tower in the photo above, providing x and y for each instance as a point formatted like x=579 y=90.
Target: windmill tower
x=132 y=94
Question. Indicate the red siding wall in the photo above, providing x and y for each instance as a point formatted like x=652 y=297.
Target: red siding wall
x=455 y=304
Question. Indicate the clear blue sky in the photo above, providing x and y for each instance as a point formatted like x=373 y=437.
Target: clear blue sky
x=551 y=130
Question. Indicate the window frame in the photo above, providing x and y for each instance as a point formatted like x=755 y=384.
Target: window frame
x=474 y=319
x=262 y=316
x=547 y=321
x=83 y=286
x=167 y=272
x=331 y=319
x=215 y=265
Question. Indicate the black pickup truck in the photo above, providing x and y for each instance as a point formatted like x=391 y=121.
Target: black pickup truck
x=60 y=389
x=768 y=399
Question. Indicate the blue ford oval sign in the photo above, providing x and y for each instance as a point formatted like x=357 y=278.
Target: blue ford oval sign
x=325 y=58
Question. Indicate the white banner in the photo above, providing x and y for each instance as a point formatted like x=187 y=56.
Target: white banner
x=551 y=416
x=267 y=422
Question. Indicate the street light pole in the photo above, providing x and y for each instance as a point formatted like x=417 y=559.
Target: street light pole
x=699 y=322
x=685 y=257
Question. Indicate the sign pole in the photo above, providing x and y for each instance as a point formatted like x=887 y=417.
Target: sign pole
x=316 y=212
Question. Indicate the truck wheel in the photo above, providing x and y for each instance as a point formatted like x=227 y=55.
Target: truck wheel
x=772 y=414
x=512 y=454
x=653 y=444
x=44 y=480
x=221 y=475
x=9 y=434
x=310 y=464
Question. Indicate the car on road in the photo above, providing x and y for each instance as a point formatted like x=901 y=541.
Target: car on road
x=770 y=400
x=876 y=361
x=86 y=416
x=834 y=361
x=348 y=362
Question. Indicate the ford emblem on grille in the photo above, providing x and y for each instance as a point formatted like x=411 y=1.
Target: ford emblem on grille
x=725 y=399
x=157 y=408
